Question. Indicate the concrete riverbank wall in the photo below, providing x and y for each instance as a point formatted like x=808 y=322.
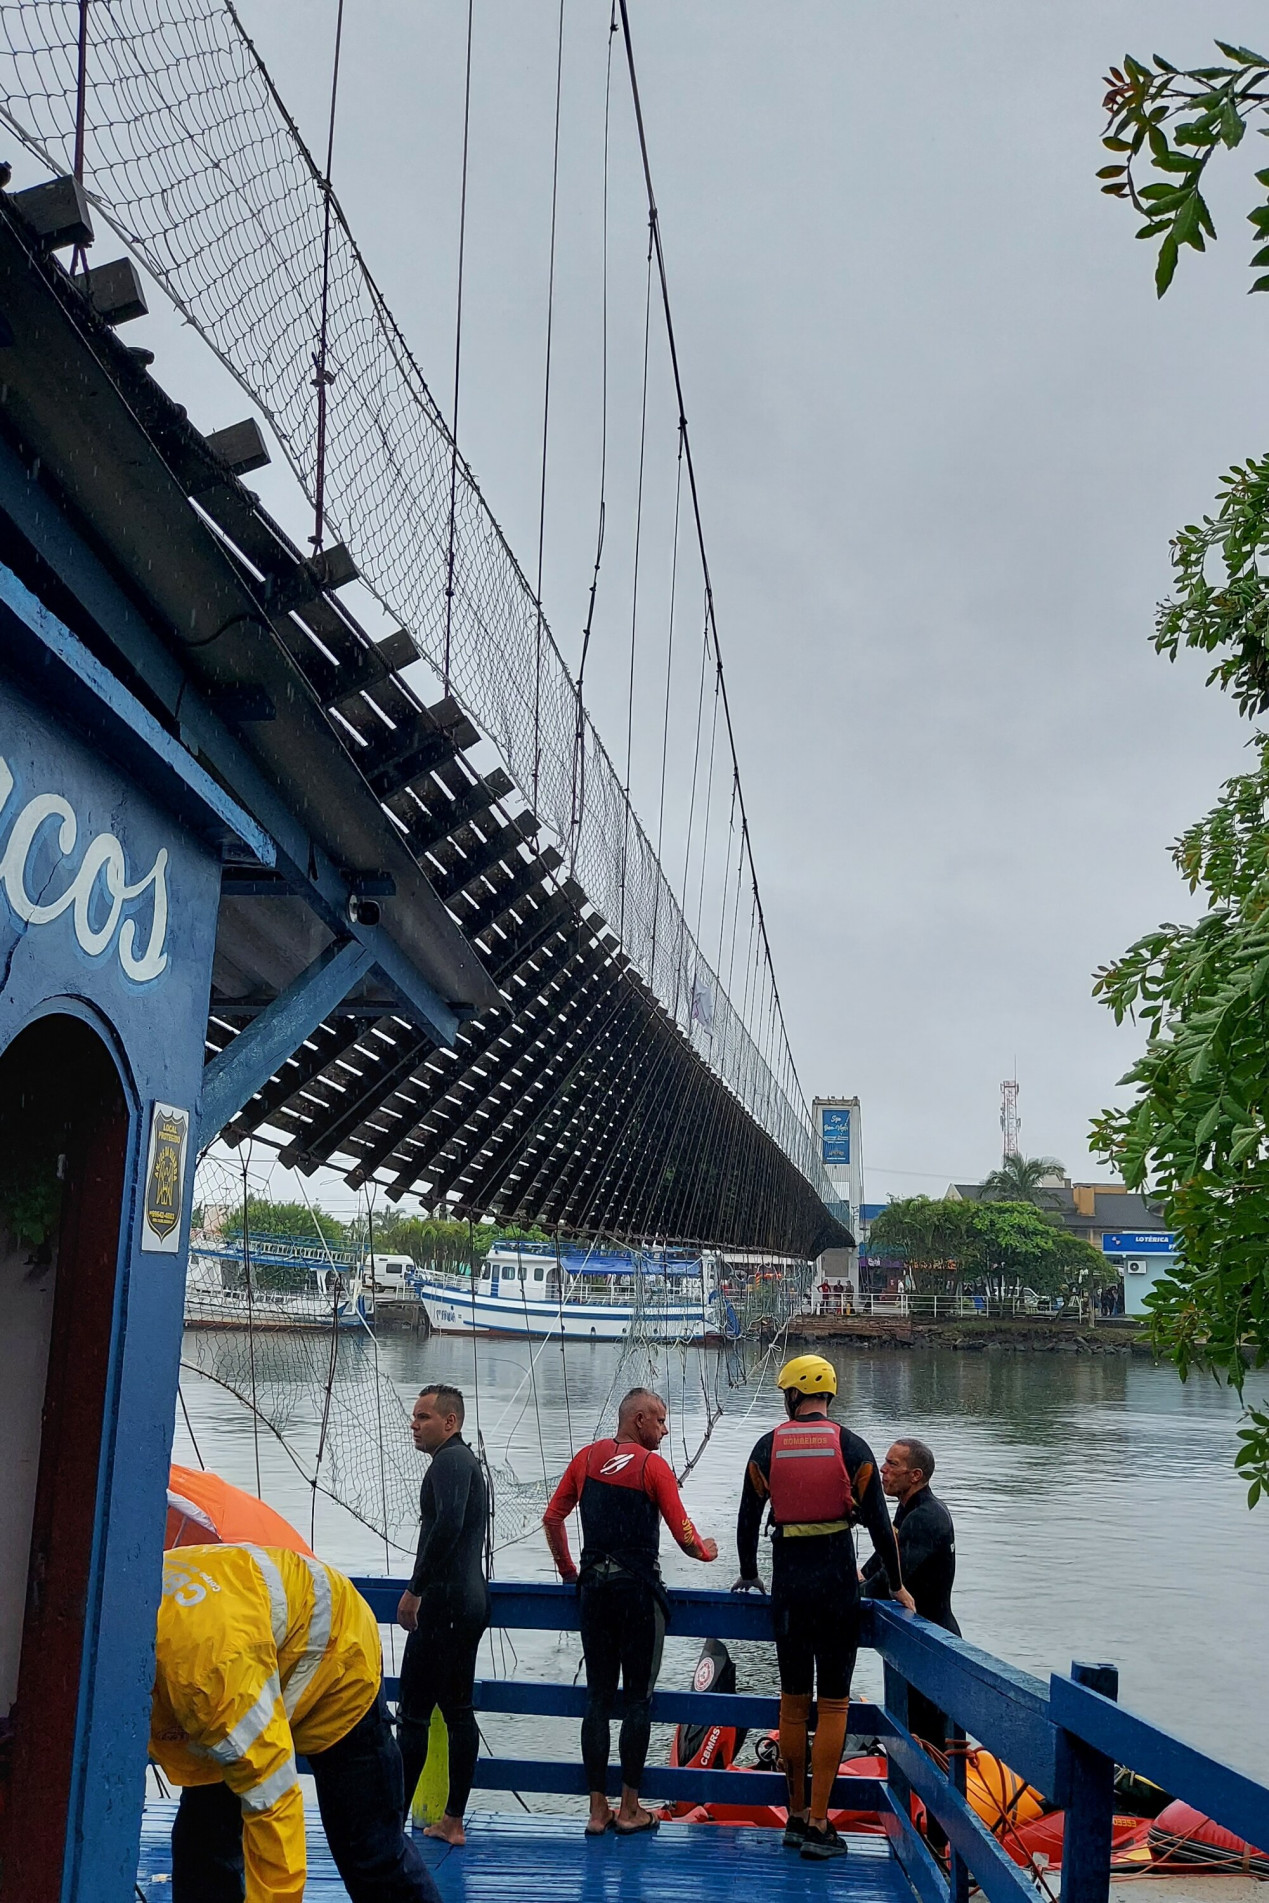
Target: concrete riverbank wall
x=1022 y=1334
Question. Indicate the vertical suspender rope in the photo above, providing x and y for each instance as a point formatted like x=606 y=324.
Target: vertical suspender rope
x=251 y=1315
x=78 y=257
x=189 y=1427
x=665 y=717
x=458 y=357
x=634 y=594
x=546 y=411
x=321 y=375
x=655 y=225
x=559 y=1289
x=579 y=734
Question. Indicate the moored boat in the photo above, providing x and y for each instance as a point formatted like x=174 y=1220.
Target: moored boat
x=534 y=1289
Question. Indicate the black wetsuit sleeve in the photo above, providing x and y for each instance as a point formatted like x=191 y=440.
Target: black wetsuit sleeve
x=920 y=1541
x=450 y=1480
x=753 y=1497
x=870 y=1504
x=875 y=1586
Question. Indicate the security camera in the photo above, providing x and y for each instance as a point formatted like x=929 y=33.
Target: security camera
x=363 y=911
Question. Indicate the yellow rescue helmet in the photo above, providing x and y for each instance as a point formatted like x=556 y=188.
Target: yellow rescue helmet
x=809 y=1374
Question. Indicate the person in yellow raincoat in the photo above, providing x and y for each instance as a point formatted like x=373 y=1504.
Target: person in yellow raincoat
x=264 y=1654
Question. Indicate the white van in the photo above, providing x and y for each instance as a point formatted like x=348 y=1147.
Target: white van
x=385 y=1274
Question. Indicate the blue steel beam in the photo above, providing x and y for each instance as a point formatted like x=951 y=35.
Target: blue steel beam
x=535 y=1699
x=911 y=1849
x=990 y=1699
x=314 y=874
x=1000 y=1879
x=1235 y=1801
x=532 y=1605
x=565 y=1777
x=61 y=668
x=233 y=1077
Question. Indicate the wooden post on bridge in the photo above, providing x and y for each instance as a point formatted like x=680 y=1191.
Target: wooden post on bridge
x=1089 y=1795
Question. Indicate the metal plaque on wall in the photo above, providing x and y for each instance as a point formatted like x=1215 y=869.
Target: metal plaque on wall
x=164 y=1187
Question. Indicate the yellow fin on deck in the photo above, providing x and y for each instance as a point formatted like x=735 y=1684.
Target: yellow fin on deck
x=433 y=1784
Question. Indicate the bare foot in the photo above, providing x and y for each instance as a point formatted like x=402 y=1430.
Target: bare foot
x=599 y=1820
x=449 y=1830
x=633 y=1818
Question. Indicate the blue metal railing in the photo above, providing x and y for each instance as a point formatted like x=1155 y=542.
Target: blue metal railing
x=1064 y=1738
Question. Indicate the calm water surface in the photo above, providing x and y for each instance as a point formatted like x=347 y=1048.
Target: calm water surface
x=1097 y=1512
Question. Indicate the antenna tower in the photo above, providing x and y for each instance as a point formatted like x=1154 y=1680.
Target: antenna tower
x=1010 y=1121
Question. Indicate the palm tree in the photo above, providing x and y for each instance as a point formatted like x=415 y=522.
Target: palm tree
x=1020 y=1179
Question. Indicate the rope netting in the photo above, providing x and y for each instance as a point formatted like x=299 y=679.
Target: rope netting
x=277 y=1327
x=194 y=161
x=274 y=1321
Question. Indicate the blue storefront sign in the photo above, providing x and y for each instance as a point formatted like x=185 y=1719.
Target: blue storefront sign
x=835 y=1135
x=1139 y=1242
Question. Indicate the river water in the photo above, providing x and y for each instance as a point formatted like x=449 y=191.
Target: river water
x=1097 y=1511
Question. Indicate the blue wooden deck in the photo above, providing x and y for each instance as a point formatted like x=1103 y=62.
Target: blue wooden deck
x=1065 y=1739
x=549 y=1859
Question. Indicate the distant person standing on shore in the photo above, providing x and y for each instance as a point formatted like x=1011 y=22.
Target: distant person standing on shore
x=624 y=1490
x=927 y=1553
x=446 y=1607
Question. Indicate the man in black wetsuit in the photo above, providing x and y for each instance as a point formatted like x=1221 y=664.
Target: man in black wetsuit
x=446 y=1608
x=927 y=1553
x=818 y=1478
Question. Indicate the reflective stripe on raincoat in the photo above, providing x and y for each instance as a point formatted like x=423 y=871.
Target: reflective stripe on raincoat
x=263 y=1654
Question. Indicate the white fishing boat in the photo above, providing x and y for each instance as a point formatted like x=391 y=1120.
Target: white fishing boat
x=533 y=1289
x=323 y=1292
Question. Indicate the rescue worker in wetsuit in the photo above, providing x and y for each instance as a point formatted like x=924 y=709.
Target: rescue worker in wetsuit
x=445 y=1608
x=927 y=1554
x=264 y=1654
x=817 y=1477
x=624 y=1489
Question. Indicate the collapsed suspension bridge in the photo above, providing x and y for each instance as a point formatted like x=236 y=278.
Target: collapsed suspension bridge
x=574 y=1058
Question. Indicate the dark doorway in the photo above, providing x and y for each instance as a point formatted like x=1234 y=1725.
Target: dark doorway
x=63 y=1156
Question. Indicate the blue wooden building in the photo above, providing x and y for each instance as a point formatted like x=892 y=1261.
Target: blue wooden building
x=182 y=831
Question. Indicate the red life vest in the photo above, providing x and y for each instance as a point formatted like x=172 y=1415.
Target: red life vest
x=809 y=1481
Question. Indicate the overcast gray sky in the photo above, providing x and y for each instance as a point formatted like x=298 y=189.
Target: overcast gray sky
x=944 y=432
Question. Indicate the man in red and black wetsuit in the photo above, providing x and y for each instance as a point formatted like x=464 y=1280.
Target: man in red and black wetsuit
x=625 y=1490
x=818 y=1478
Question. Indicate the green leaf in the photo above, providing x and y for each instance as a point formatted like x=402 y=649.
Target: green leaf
x=1168 y=161
x=1112 y=171
x=1153 y=230
x=1261 y=284
x=1232 y=126
x=1185 y=228
x=1242 y=54
x=1246 y=1140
